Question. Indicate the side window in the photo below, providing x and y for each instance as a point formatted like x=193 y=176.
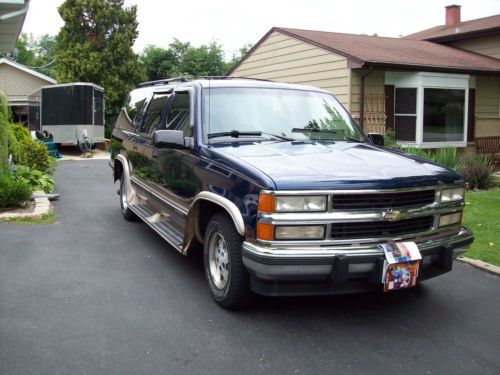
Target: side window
x=178 y=116
x=153 y=113
x=132 y=107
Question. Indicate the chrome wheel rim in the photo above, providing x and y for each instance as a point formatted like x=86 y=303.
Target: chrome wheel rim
x=219 y=261
x=123 y=195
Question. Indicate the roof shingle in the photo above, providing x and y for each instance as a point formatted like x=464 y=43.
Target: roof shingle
x=466 y=28
x=396 y=51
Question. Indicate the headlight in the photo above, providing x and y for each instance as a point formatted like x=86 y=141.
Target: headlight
x=311 y=232
x=450 y=219
x=452 y=195
x=300 y=204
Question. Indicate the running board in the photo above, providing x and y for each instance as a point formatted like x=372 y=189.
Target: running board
x=161 y=227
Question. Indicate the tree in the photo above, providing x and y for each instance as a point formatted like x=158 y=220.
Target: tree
x=95 y=45
x=182 y=59
x=159 y=63
x=37 y=53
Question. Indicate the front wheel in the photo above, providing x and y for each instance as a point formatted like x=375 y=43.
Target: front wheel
x=227 y=277
x=127 y=213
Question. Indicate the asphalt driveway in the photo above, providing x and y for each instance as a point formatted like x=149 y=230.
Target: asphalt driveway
x=95 y=294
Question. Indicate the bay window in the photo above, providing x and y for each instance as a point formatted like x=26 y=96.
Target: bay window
x=430 y=109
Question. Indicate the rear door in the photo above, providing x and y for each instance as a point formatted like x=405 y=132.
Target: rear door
x=177 y=183
x=145 y=170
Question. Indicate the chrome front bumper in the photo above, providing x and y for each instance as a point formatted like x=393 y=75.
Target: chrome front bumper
x=340 y=264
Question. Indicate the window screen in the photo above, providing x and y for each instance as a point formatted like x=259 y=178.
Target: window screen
x=405 y=114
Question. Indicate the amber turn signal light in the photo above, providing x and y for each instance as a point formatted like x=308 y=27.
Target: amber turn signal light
x=267 y=203
x=265 y=231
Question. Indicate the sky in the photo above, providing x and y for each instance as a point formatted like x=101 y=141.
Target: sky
x=234 y=24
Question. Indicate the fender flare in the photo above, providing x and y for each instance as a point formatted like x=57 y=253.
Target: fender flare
x=227 y=205
x=126 y=175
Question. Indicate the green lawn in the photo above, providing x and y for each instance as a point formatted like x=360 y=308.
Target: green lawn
x=482 y=215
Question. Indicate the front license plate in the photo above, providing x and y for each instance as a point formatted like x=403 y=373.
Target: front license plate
x=401 y=265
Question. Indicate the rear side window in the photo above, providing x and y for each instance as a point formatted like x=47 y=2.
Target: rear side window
x=133 y=106
x=152 y=116
x=178 y=116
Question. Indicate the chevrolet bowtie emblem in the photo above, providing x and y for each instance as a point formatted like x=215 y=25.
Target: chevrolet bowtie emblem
x=393 y=215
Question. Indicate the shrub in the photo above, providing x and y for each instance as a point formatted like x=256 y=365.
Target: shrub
x=16 y=148
x=390 y=139
x=13 y=193
x=477 y=171
x=115 y=148
x=37 y=156
x=36 y=179
x=20 y=132
x=446 y=156
x=4 y=119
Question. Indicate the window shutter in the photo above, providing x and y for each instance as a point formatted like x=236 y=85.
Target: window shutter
x=470 y=115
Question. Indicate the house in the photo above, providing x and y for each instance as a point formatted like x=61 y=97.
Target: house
x=12 y=15
x=17 y=82
x=436 y=88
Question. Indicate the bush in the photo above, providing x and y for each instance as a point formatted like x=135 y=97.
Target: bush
x=13 y=193
x=37 y=156
x=27 y=151
x=446 y=156
x=4 y=120
x=20 y=132
x=477 y=171
x=36 y=179
x=115 y=148
x=16 y=148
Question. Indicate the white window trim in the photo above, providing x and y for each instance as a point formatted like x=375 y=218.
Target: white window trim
x=428 y=80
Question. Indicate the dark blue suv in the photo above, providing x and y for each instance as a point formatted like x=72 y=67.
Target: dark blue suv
x=278 y=188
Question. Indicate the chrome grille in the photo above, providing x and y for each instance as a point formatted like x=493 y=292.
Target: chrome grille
x=374 y=229
x=383 y=200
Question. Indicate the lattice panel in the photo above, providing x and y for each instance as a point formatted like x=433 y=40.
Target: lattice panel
x=375 y=117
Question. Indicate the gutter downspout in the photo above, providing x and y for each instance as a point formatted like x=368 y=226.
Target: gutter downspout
x=362 y=94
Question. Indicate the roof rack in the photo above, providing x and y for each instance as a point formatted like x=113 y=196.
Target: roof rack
x=164 y=81
x=187 y=79
x=230 y=77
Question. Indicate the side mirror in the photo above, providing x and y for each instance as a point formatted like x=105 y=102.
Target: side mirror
x=169 y=138
x=377 y=139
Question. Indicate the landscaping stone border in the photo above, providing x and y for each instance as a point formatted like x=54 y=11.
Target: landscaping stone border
x=42 y=206
x=495 y=270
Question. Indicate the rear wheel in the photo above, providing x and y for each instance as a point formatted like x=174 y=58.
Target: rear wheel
x=227 y=277
x=127 y=213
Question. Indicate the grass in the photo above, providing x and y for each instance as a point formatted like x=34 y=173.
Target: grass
x=48 y=218
x=482 y=215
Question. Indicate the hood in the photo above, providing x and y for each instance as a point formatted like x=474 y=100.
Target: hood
x=343 y=165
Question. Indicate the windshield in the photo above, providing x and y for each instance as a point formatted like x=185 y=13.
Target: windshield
x=294 y=114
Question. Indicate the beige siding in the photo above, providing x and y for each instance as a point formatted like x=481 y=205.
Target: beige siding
x=285 y=59
x=487 y=106
x=17 y=84
x=485 y=45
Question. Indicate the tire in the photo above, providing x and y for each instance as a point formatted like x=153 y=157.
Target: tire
x=127 y=213
x=227 y=278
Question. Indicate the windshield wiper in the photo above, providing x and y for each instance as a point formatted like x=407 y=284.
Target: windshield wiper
x=237 y=134
x=346 y=137
x=313 y=130
x=282 y=137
